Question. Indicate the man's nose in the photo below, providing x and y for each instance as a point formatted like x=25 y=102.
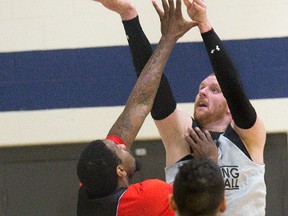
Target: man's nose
x=202 y=92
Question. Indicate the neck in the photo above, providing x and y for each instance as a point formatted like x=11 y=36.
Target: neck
x=217 y=126
x=123 y=182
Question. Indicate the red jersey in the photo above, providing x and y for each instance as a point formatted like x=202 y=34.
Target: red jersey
x=149 y=197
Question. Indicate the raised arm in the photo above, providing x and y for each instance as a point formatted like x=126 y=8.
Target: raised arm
x=245 y=120
x=141 y=99
x=171 y=121
x=141 y=50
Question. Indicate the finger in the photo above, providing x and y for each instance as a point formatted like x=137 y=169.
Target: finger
x=200 y=2
x=201 y=135
x=158 y=10
x=188 y=3
x=192 y=144
x=178 y=11
x=189 y=139
x=198 y=7
x=172 y=7
x=165 y=6
x=194 y=135
x=208 y=136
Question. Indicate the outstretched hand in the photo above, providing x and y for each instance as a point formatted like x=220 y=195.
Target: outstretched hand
x=202 y=144
x=196 y=10
x=171 y=18
x=123 y=7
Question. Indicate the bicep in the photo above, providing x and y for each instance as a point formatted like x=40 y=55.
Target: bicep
x=253 y=138
x=128 y=125
x=172 y=132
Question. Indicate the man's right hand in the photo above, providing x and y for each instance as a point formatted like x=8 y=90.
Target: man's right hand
x=124 y=8
x=197 y=11
x=172 y=21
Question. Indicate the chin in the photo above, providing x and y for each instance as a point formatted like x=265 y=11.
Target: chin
x=201 y=119
x=134 y=169
x=199 y=116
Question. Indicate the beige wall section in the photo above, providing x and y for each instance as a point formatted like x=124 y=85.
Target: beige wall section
x=57 y=24
x=86 y=124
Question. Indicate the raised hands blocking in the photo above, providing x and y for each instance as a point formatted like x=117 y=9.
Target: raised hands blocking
x=171 y=18
x=119 y=6
x=123 y=7
x=202 y=144
x=196 y=10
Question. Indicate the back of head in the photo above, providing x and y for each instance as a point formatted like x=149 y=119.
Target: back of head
x=96 y=169
x=198 y=188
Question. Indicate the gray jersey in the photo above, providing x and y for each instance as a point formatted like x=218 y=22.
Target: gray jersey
x=245 y=188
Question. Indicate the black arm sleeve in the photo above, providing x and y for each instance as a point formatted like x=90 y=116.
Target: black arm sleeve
x=138 y=43
x=243 y=113
x=141 y=51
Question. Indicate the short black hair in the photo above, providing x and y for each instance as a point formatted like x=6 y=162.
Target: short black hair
x=198 y=188
x=96 y=169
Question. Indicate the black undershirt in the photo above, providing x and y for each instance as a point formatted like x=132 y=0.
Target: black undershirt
x=229 y=133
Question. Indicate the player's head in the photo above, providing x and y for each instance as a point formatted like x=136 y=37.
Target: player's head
x=198 y=189
x=101 y=164
x=210 y=103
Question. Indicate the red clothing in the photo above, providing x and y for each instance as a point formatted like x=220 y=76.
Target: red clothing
x=116 y=139
x=146 y=198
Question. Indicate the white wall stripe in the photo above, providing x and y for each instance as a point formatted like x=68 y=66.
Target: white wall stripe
x=61 y=24
x=86 y=124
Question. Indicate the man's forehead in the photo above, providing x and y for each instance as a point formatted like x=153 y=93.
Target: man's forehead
x=210 y=79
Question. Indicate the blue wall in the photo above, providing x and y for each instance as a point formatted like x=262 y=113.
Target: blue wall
x=105 y=76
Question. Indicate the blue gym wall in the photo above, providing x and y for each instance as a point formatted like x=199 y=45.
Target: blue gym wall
x=91 y=77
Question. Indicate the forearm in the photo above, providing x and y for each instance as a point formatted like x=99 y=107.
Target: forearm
x=227 y=75
x=138 y=43
x=151 y=74
x=143 y=94
x=141 y=51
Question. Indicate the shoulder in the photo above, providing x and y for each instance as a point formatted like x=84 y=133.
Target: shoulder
x=149 y=191
x=151 y=187
x=150 y=197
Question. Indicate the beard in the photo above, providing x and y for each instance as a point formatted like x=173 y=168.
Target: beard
x=133 y=168
x=204 y=118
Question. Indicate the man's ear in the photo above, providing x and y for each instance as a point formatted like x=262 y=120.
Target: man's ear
x=172 y=203
x=222 y=206
x=228 y=110
x=121 y=171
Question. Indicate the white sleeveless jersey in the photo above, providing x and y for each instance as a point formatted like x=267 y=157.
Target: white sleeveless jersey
x=245 y=188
